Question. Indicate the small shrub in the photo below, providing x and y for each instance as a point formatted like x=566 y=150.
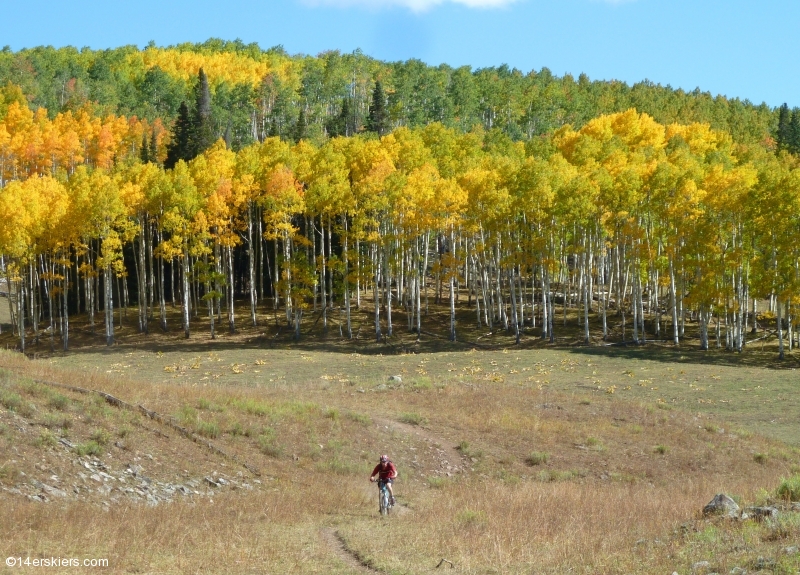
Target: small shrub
x=100 y=436
x=3 y=429
x=760 y=458
x=361 y=418
x=337 y=466
x=207 y=429
x=412 y=418
x=332 y=414
x=46 y=439
x=423 y=384
x=789 y=489
x=187 y=416
x=203 y=404
x=123 y=431
x=10 y=400
x=238 y=429
x=58 y=401
x=636 y=428
x=9 y=473
x=660 y=449
x=436 y=482
x=537 y=458
x=584 y=402
x=711 y=428
x=88 y=448
x=268 y=445
x=469 y=517
x=253 y=407
x=595 y=443
x=53 y=421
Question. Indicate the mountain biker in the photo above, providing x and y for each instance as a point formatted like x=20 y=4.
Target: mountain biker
x=386 y=472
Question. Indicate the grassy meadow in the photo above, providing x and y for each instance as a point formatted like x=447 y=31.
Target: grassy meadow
x=529 y=459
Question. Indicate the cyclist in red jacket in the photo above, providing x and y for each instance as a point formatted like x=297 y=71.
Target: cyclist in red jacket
x=386 y=472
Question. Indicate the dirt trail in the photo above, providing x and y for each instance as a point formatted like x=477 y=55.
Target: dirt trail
x=450 y=459
x=338 y=546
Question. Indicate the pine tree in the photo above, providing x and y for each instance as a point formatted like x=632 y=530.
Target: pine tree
x=144 y=151
x=341 y=124
x=794 y=132
x=378 y=119
x=153 y=152
x=300 y=127
x=202 y=124
x=783 y=137
x=180 y=148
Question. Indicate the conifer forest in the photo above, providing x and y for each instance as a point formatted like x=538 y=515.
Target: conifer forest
x=222 y=177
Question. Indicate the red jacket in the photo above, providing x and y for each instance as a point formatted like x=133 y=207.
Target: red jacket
x=390 y=472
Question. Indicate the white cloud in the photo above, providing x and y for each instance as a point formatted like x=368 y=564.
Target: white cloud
x=414 y=5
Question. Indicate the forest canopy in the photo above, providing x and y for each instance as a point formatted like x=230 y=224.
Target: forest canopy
x=202 y=173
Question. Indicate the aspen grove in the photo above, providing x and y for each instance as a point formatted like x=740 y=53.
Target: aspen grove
x=657 y=224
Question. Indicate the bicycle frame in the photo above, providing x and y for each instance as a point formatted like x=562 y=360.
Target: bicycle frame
x=383 y=497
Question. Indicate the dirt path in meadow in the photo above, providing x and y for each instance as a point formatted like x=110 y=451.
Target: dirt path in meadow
x=337 y=544
x=449 y=459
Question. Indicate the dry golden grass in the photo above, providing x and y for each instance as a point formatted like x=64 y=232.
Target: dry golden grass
x=619 y=490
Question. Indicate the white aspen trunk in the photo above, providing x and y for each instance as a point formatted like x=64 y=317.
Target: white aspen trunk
x=346 y=279
x=418 y=282
x=65 y=311
x=323 y=277
x=388 y=291
x=185 y=278
x=376 y=292
x=452 y=309
x=251 y=257
x=21 y=312
x=587 y=299
x=673 y=303
x=109 y=305
x=635 y=304
x=358 y=273
x=780 y=327
x=514 y=314
x=703 y=327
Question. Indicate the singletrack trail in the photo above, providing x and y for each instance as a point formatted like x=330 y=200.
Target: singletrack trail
x=450 y=460
x=339 y=547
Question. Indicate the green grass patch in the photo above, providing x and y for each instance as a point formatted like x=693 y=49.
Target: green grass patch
x=469 y=518
x=760 y=458
x=436 y=482
x=187 y=416
x=537 y=458
x=660 y=449
x=361 y=418
x=100 y=436
x=789 y=488
x=268 y=445
x=207 y=429
x=88 y=448
x=57 y=421
x=239 y=430
x=58 y=401
x=412 y=418
x=46 y=438
x=10 y=400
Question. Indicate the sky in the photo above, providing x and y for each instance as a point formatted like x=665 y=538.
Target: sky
x=737 y=48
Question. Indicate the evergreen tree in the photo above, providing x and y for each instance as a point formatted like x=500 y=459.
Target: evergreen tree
x=300 y=127
x=342 y=123
x=144 y=150
x=180 y=148
x=794 y=132
x=783 y=137
x=202 y=123
x=378 y=119
x=153 y=153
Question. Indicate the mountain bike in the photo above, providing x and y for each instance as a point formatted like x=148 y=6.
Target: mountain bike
x=384 y=499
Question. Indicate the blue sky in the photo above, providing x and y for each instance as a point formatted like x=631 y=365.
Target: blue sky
x=737 y=48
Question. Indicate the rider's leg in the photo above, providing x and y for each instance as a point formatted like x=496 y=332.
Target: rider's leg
x=391 y=493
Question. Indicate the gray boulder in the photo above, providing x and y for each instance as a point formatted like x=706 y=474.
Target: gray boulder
x=722 y=505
